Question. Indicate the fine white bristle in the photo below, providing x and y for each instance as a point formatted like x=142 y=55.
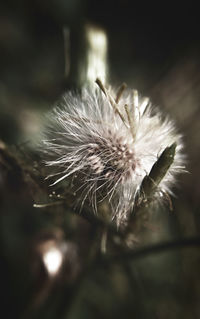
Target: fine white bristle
x=109 y=147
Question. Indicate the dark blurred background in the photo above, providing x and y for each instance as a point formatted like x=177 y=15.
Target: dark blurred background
x=154 y=48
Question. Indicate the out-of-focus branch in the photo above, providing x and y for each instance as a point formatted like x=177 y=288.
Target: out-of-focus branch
x=151 y=250
x=85 y=55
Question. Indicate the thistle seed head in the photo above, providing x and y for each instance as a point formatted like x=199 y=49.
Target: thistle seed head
x=108 y=143
x=111 y=158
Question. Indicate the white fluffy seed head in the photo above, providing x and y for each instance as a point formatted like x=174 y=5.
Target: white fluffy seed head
x=92 y=138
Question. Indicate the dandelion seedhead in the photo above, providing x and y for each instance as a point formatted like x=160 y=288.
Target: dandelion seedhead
x=108 y=141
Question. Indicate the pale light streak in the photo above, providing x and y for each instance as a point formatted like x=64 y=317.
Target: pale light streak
x=97 y=54
x=53 y=259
